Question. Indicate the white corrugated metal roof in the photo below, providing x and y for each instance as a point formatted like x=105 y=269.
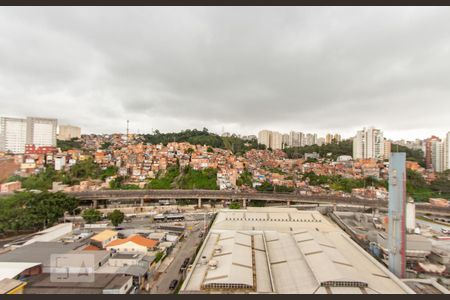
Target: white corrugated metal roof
x=12 y=269
x=301 y=253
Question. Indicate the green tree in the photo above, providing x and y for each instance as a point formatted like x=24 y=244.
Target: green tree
x=116 y=217
x=34 y=211
x=283 y=189
x=85 y=169
x=117 y=182
x=257 y=203
x=158 y=256
x=199 y=179
x=68 y=145
x=108 y=172
x=204 y=137
x=344 y=147
x=265 y=187
x=245 y=178
x=91 y=215
x=442 y=183
x=41 y=181
x=105 y=145
x=166 y=181
x=234 y=205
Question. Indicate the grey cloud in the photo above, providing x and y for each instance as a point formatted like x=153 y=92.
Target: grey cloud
x=242 y=69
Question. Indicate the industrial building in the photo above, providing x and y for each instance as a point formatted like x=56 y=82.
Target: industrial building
x=285 y=251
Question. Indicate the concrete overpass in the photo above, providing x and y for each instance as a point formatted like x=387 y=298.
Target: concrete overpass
x=111 y=196
x=143 y=196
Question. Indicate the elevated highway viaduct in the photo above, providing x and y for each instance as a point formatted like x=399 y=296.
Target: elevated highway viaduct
x=94 y=198
x=142 y=196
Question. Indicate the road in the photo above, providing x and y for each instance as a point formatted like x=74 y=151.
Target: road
x=187 y=249
x=112 y=196
x=434 y=226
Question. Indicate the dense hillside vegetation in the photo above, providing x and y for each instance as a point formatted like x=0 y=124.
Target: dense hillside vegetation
x=420 y=190
x=345 y=147
x=188 y=178
x=411 y=154
x=68 y=145
x=204 y=137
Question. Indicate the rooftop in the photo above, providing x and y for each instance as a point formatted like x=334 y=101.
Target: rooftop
x=7 y=285
x=117 y=282
x=9 y=270
x=283 y=250
x=104 y=235
x=137 y=239
x=38 y=252
x=51 y=234
x=127 y=256
x=42 y=284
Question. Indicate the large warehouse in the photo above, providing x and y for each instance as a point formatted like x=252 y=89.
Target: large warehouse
x=286 y=251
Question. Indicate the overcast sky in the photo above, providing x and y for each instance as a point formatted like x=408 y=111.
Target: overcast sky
x=238 y=69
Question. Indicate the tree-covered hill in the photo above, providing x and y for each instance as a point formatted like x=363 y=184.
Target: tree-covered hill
x=204 y=137
x=344 y=147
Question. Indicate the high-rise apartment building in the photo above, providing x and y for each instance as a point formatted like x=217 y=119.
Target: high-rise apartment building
x=447 y=152
x=358 y=145
x=264 y=137
x=277 y=140
x=437 y=156
x=369 y=143
x=311 y=139
x=68 y=132
x=302 y=139
x=429 y=151
x=387 y=149
x=332 y=138
x=41 y=131
x=337 y=138
x=271 y=139
x=13 y=135
x=285 y=139
x=295 y=139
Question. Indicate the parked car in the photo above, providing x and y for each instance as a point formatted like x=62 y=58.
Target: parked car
x=184 y=265
x=173 y=284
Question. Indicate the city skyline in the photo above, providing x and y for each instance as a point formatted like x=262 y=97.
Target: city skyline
x=305 y=69
x=319 y=134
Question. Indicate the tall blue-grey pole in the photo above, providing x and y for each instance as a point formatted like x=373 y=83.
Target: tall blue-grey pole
x=397 y=214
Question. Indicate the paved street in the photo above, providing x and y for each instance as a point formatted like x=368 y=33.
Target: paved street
x=186 y=249
x=434 y=226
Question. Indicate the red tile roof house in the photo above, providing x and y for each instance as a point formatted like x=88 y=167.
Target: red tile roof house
x=134 y=244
